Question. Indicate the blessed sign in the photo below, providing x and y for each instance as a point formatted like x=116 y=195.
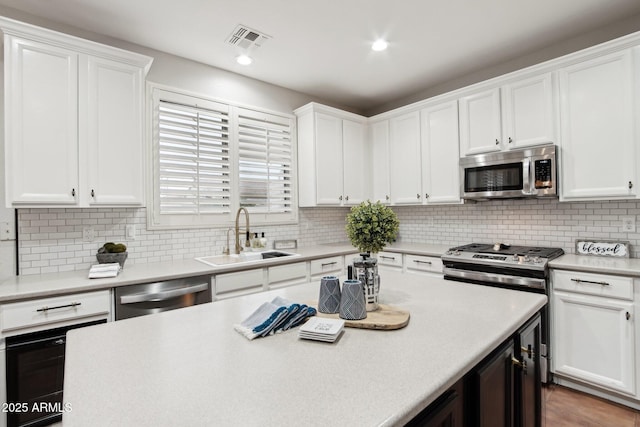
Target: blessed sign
x=602 y=248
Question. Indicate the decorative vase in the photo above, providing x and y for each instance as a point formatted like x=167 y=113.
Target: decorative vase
x=329 y=299
x=366 y=271
x=352 y=305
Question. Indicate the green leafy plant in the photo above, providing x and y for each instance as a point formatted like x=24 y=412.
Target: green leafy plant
x=370 y=226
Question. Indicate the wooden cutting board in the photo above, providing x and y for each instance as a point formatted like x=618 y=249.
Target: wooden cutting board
x=386 y=317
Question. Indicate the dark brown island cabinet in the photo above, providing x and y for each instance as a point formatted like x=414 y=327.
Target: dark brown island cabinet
x=503 y=390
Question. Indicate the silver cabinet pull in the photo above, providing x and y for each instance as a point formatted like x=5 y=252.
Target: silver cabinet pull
x=590 y=281
x=418 y=196
x=340 y=198
x=510 y=140
x=346 y=198
x=388 y=257
x=45 y=308
x=630 y=185
x=324 y=264
x=426 y=195
x=93 y=193
x=417 y=261
x=73 y=192
x=164 y=295
x=497 y=142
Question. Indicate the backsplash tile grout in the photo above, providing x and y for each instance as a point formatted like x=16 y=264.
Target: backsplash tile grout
x=51 y=240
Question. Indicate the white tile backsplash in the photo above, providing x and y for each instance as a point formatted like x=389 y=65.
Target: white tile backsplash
x=51 y=240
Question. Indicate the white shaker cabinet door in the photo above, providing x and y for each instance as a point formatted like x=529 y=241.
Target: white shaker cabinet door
x=356 y=163
x=114 y=133
x=598 y=132
x=41 y=123
x=594 y=340
x=440 y=154
x=528 y=112
x=404 y=154
x=480 y=125
x=329 y=162
x=380 y=161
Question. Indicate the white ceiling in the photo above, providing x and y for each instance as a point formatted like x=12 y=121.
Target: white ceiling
x=322 y=47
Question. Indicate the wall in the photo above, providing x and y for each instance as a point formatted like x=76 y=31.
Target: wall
x=51 y=239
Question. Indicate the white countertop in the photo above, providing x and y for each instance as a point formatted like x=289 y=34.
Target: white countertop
x=598 y=264
x=190 y=367
x=53 y=284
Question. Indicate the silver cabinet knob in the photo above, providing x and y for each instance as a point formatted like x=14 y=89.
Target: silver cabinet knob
x=630 y=185
x=497 y=142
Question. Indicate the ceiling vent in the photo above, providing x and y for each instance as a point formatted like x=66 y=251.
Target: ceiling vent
x=247 y=38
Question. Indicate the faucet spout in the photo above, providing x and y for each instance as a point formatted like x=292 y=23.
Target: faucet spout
x=246 y=215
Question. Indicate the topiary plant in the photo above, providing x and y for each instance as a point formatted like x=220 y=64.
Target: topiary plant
x=370 y=226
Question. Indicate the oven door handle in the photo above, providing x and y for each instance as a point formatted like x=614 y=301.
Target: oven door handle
x=502 y=279
x=164 y=295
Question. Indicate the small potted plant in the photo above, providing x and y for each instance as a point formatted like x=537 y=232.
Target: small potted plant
x=112 y=252
x=370 y=226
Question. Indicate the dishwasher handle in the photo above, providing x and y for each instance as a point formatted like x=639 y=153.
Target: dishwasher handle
x=164 y=295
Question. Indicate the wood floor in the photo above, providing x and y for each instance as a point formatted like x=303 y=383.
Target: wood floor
x=570 y=408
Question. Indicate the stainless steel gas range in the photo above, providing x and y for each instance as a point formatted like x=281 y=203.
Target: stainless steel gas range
x=523 y=268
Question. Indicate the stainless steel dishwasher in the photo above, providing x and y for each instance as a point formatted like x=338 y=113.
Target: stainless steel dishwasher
x=149 y=298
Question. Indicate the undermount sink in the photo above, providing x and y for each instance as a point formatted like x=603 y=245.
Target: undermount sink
x=244 y=257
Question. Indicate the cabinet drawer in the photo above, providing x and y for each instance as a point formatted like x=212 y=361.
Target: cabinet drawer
x=229 y=282
x=47 y=311
x=390 y=259
x=288 y=274
x=423 y=263
x=320 y=267
x=593 y=284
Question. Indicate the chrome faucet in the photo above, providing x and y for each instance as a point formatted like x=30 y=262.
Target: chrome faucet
x=247 y=243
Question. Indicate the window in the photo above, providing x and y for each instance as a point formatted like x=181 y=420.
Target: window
x=211 y=158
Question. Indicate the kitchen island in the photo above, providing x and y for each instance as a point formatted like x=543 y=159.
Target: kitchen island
x=190 y=367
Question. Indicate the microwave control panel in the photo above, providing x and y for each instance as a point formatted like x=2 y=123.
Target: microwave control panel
x=543 y=173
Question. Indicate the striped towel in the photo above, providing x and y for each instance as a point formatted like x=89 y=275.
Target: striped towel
x=272 y=317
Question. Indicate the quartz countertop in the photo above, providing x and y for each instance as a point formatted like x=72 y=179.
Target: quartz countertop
x=598 y=264
x=53 y=284
x=190 y=367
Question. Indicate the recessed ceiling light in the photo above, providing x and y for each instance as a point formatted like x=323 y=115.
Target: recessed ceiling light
x=379 y=45
x=244 y=60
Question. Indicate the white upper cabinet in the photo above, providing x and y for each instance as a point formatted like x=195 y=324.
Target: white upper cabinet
x=480 y=125
x=598 y=100
x=333 y=157
x=518 y=114
x=380 y=161
x=41 y=123
x=405 y=167
x=439 y=136
x=114 y=132
x=73 y=120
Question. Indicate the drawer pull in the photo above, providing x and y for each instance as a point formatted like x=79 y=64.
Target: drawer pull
x=392 y=258
x=421 y=262
x=324 y=264
x=45 y=308
x=590 y=281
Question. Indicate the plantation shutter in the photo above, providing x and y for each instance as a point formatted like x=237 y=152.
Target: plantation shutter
x=265 y=162
x=194 y=174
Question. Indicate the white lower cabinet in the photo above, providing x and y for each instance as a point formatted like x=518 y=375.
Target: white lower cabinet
x=593 y=332
x=389 y=260
x=423 y=264
x=239 y=283
x=324 y=266
x=287 y=275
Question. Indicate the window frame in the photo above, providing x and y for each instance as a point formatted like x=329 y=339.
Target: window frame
x=158 y=221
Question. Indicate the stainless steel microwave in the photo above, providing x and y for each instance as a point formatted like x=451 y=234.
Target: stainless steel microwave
x=529 y=172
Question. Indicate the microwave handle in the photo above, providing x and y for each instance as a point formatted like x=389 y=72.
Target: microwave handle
x=526 y=176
